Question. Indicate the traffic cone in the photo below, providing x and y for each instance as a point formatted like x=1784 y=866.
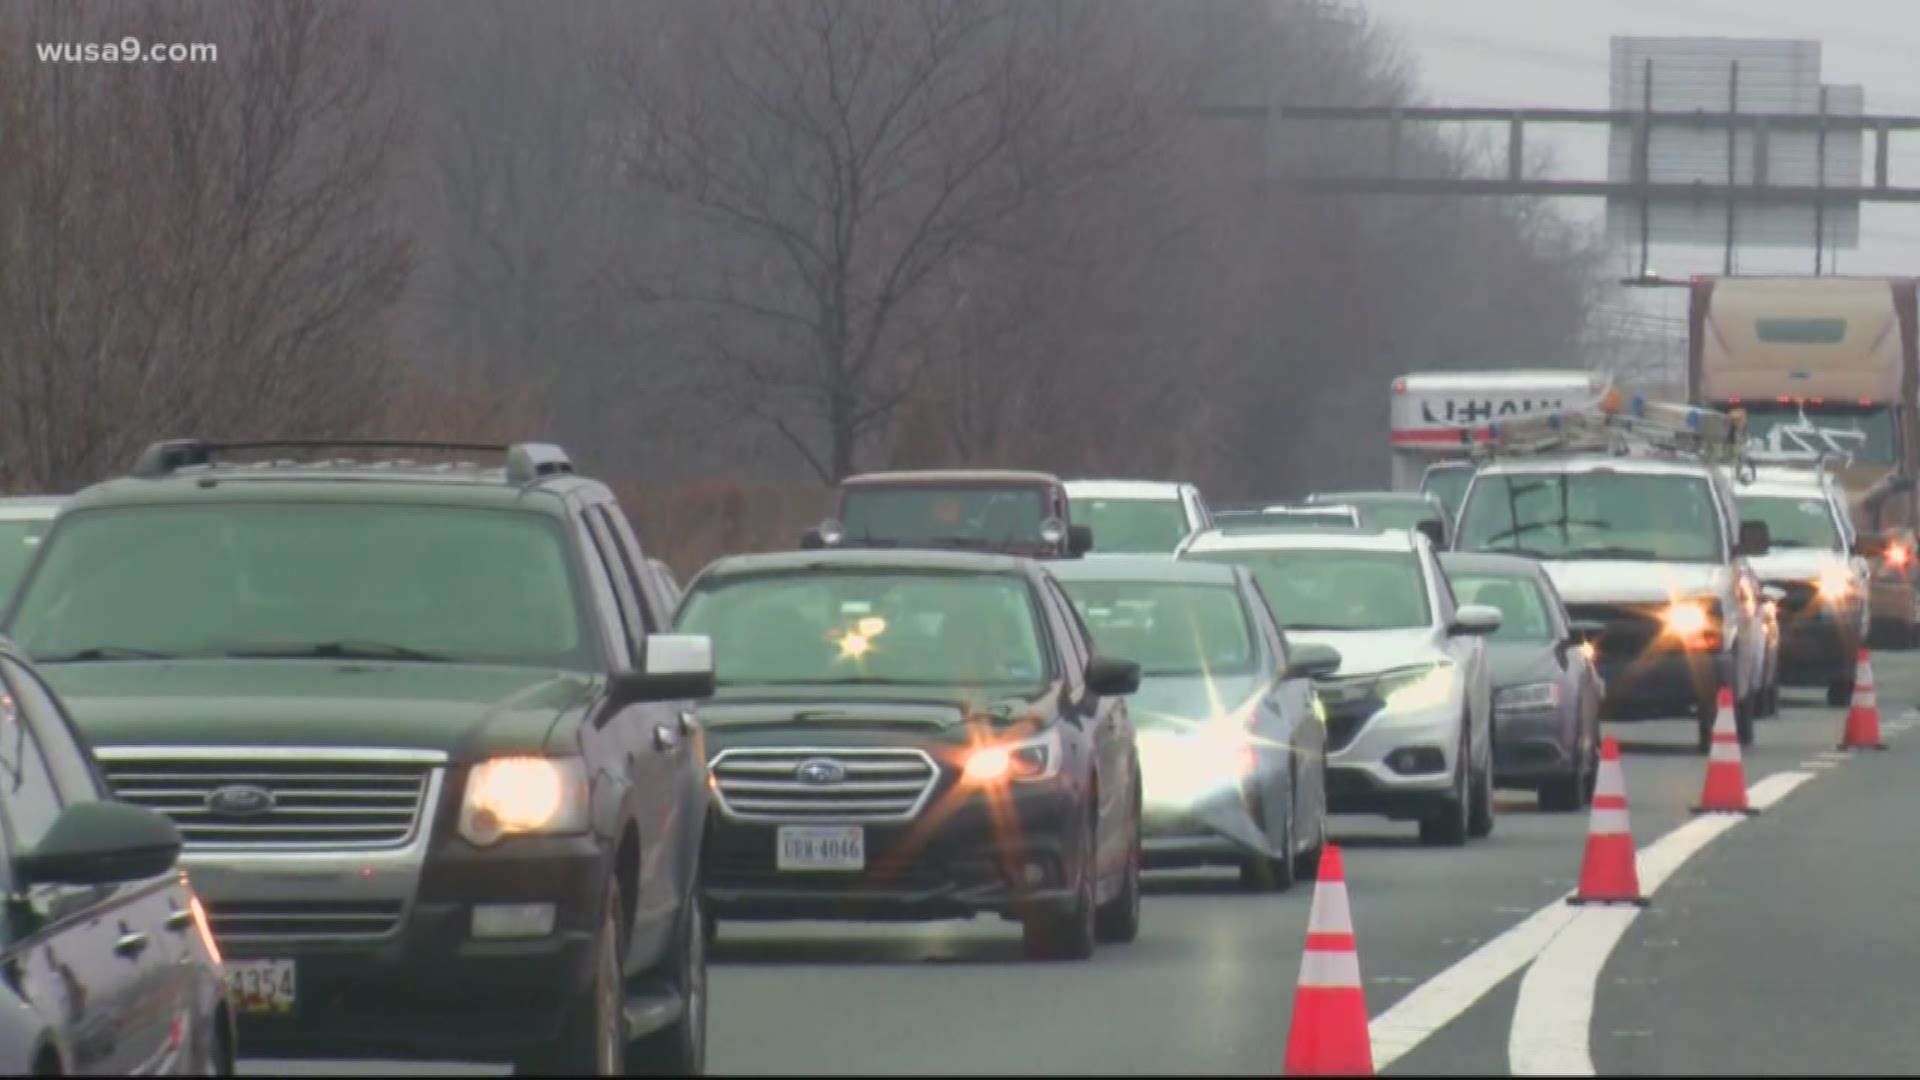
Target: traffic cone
x=1328 y=1034
x=1609 y=873
x=1726 y=787
x=1863 y=719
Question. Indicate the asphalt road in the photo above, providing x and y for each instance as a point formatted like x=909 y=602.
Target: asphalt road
x=1773 y=944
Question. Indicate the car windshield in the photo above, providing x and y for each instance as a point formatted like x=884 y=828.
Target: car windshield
x=1523 y=605
x=1794 y=521
x=947 y=512
x=1597 y=514
x=314 y=579
x=18 y=541
x=851 y=626
x=1865 y=433
x=1450 y=485
x=1399 y=515
x=1336 y=588
x=1133 y=526
x=1168 y=628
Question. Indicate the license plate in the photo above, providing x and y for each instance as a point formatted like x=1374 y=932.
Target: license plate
x=822 y=847
x=261 y=987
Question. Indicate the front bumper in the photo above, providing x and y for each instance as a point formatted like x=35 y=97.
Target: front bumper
x=1190 y=821
x=427 y=988
x=1000 y=851
x=1534 y=745
x=1396 y=763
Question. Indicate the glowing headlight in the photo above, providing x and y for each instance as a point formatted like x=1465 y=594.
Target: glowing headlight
x=1037 y=758
x=1542 y=695
x=1836 y=582
x=1687 y=618
x=1418 y=688
x=516 y=795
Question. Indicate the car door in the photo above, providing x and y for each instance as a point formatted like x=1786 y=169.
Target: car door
x=83 y=953
x=1293 y=700
x=1469 y=653
x=1098 y=717
x=647 y=739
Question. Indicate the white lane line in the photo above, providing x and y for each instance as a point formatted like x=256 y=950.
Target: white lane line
x=1828 y=755
x=1819 y=764
x=1551 y=1021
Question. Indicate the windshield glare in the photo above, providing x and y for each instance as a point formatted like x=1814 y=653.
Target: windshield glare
x=1803 y=522
x=18 y=541
x=869 y=626
x=246 y=579
x=1133 y=526
x=1602 y=514
x=1335 y=589
x=1169 y=629
x=1523 y=607
x=991 y=515
x=1865 y=433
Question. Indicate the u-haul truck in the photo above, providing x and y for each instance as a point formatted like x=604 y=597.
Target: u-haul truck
x=1437 y=416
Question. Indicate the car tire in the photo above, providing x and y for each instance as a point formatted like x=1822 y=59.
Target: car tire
x=1069 y=934
x=592 y=1039
x=680 y=1048
x=1840 y=693
x=1118 y=920
x=1258 y=873
x=1480 y=817
x=1447 y=825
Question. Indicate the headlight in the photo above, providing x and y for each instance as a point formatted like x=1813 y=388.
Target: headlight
x=1836 y=583
x=1426 y=687
x=1037 y=758
x=1541 y=695
x=1696 y=622
x=516 y=795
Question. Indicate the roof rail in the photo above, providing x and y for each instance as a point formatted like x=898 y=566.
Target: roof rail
x=1622 y=427
x=525 y=462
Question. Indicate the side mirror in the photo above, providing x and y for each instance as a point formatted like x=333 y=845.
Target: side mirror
x=1112 y=678
x=1311 y=661
x=101 y=843
x=811 y=541
x=1755 y=539
x=1079 y=539
x=1475 y=620
x=677 y=667
x=1434 y=531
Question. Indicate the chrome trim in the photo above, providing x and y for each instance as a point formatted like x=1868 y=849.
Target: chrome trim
x=922 y=775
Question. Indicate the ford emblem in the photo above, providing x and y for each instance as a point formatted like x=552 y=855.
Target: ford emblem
x=240 y=800
x=820 y=771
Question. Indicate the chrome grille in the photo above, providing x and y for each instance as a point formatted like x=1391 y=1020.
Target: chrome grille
x=304 y=918
x=764 y=784
x=319 y=798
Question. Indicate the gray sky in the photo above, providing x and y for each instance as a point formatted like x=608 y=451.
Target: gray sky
x=1555 y=52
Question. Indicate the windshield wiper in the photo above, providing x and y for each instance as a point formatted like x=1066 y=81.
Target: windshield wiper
x=1609 y=553
x=104 y=652
x=333 y=650
x=1536 y=526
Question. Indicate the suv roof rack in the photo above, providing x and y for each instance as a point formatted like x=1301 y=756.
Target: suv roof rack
x=525 y=462
x=1623 y=427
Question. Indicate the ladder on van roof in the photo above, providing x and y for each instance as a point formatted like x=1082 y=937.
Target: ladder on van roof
x=1620 y=425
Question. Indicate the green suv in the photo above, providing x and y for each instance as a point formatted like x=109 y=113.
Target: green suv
x=426 y=733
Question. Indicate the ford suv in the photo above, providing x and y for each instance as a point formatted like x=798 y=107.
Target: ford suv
x=430 y=748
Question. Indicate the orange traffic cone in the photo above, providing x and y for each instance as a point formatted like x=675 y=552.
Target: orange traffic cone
x=1609 y=874
x=1726 y=787
x=1328 y=1034
x=1863 y=719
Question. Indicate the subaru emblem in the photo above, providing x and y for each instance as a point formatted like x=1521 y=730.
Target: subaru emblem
x=240 y=800
x=820 y=771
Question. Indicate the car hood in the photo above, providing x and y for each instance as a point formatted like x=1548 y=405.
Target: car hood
x=1797 y=564
x=1622 y=581
x=761 y=715
x=1515 y=663
x=468 y=711
x=1364 y=652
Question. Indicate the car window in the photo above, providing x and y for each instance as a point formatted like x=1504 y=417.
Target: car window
x=1169 y=628
x=1597 y=514
x=1525 y=611
x=656 y=601
x=1133 y=526
x=18 y=541
x=1795 y=521
x=26 y=784
x=944 y=513
x=625 y=590
x=858 y=625
x=1335 y=588
x=237 y=579
x=74 y=773
x=1073 y=639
